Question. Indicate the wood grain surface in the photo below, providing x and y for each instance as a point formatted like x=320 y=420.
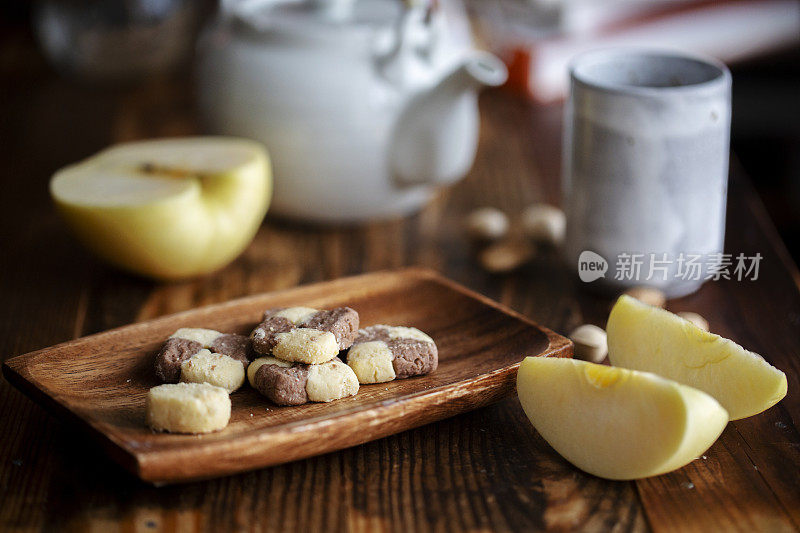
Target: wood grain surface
x=484 y=470
x=101 y=381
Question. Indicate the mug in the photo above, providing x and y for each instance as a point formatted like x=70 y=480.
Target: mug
x=646 y=167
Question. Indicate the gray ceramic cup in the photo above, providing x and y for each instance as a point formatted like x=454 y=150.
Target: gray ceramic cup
x=646 y=167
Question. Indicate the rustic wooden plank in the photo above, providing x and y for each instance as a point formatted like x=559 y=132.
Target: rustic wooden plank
x=748 y=480
x=284 y=255
x=484 y=470
x=751 y=469
x=45 y=286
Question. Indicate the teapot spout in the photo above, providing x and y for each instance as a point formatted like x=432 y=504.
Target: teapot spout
x=436 y=135
x=480 y=69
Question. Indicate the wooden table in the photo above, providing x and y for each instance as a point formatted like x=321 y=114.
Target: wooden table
x=487 y=470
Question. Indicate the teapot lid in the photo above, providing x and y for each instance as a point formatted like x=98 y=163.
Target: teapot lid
x=313 y=18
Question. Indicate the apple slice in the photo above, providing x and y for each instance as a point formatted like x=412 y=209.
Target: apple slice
x=169 y=208
x=647 y=338
x=617 y=423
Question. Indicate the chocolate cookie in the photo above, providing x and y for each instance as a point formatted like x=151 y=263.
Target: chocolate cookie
x=233 y=345
x=305 y=335
x=383 y=353
x=287 y=383
x=186 y=342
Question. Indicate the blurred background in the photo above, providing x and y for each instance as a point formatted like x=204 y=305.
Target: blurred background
x=758 y=39
x=90 y=50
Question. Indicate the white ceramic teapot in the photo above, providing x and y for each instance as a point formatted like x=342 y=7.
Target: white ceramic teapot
x=365 y=106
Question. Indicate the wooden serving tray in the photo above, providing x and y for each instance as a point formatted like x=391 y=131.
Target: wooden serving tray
x=101 y=380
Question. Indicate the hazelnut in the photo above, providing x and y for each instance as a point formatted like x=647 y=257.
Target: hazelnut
x=544 y=223
x=487 y=224
x=505 y=256
x=590 y=343
x=647 y=295
x=695 y=319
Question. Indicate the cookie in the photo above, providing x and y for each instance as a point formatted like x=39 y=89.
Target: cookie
x=187 y=342
x=213 y=368
x=188 y=408
x=287 y=383
x=383 y=353
x=304 y=334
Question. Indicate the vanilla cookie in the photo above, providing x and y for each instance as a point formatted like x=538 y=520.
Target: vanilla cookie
x=187 y=342
x=213 y=368
x=383 y=353
x=287 y=383
x=188 y=408
x=304 y=334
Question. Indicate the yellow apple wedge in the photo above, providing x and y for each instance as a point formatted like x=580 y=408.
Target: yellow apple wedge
x=617 y=423
x=647 y=338
x=168 y=208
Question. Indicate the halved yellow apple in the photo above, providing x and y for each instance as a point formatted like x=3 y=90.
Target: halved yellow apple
x=647 y=338
x=168 y=208
x=617 y=423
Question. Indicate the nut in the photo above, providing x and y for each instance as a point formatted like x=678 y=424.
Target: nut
x=590 y=343
x=544 y=223
x=505 y=256
x=487 y=224
x=695 y=319
x=647 y=295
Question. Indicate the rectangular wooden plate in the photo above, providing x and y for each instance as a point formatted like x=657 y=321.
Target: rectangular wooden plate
x=101 y=381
